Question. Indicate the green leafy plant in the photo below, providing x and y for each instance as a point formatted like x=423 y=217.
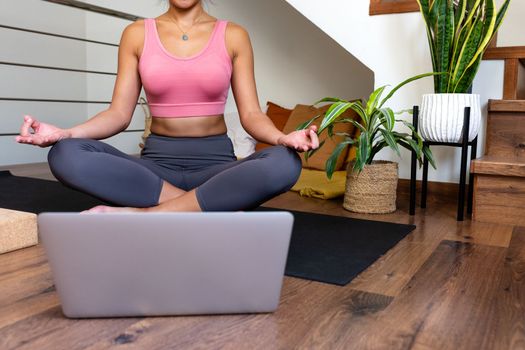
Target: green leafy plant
x=459 y=32
x=376 y=128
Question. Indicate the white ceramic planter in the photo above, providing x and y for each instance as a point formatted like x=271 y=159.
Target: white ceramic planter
x=441 y=116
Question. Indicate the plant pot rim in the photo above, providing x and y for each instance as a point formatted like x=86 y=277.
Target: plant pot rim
x=451 y=93
x=375 y=164
x=378 y=162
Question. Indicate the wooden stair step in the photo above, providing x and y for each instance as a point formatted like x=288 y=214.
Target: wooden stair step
x=506 y=128
x=499 y=190
x=499 y=165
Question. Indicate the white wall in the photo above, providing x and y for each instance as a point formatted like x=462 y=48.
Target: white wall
x=395 y=47
x=512 y=31
x=294 y=61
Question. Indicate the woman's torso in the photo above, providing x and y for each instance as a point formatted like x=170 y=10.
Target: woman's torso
x=186 y=82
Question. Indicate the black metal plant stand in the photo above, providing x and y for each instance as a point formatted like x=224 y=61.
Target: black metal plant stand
x=464 y=144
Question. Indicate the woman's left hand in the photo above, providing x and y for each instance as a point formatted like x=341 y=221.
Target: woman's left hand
x=301 y=140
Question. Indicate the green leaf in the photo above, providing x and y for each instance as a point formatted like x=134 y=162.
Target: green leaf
x=414 y=146
x=409 y=80
x=403 y=111
x=410 y=126
x=467 y=53
x=332 y=160
x=411 y=145
x=459 y=15
x=459 y=36
x=378 y=146
x=330 y=99
x=374 y=99
x=364 y=147
x=488 y=29
x=330 y=130
x=359 y=163
x=390 y=140
x=501 y=15
x=358 y=108
x=389 y=119
x=307 y=123
x=338 y=109
x=424 y=7
x=445 y=37
x=489 y=22
x=428 y=154
x=468 y=77
x=357 y=125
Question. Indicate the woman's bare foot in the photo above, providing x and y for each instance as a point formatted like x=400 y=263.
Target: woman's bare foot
x=108 y=209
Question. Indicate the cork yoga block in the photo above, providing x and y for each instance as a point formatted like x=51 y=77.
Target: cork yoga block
x=18 y=229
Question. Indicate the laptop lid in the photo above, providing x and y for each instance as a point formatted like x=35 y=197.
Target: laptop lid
x=138 y=264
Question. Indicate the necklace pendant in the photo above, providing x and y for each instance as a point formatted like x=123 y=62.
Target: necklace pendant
x=185 y=37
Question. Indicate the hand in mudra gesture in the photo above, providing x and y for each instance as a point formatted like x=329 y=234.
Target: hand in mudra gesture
x=43 y=134
x=301 y=140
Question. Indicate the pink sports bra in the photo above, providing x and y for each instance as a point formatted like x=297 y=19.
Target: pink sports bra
x=185 y=86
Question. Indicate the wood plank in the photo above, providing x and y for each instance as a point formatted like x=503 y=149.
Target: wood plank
x=28 y=281
x=58 y=331
x=492 y=234
x=499 y=165
x=389 y=274
x=446 y=305
x=505 y=135
x=333 y=324
x=506 y=106
x=501 y=53
x=20 y=259
x=310 y=306
x=510 y=79
x=499 y=199
x=521 y=80
x=509 y=306
x=384 y=7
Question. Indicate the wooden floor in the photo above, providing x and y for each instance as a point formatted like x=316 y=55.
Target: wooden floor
x=447 y=285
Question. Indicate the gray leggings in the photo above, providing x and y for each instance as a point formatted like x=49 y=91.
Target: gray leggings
x=208 y=164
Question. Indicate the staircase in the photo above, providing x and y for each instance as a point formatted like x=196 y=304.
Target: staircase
x=499 y=176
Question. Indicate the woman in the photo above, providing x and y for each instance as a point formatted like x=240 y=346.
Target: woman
x=186 y=61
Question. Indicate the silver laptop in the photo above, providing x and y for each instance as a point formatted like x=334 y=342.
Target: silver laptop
x=153 y=264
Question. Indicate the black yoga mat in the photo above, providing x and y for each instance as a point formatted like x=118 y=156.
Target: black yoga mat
x=335 y=249
x=323 y=248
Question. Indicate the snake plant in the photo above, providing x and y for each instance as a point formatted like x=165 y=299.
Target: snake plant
x=459 y=32
x=376 y=128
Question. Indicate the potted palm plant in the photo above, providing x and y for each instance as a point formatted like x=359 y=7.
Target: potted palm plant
x=459 y=32
x=371 y=184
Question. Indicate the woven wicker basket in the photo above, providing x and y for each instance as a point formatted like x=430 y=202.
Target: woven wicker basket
x=373 y=190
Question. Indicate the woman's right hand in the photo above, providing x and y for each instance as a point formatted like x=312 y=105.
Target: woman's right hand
x=43 y=134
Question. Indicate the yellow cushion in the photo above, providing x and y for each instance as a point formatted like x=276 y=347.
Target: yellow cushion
x=314 y=183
